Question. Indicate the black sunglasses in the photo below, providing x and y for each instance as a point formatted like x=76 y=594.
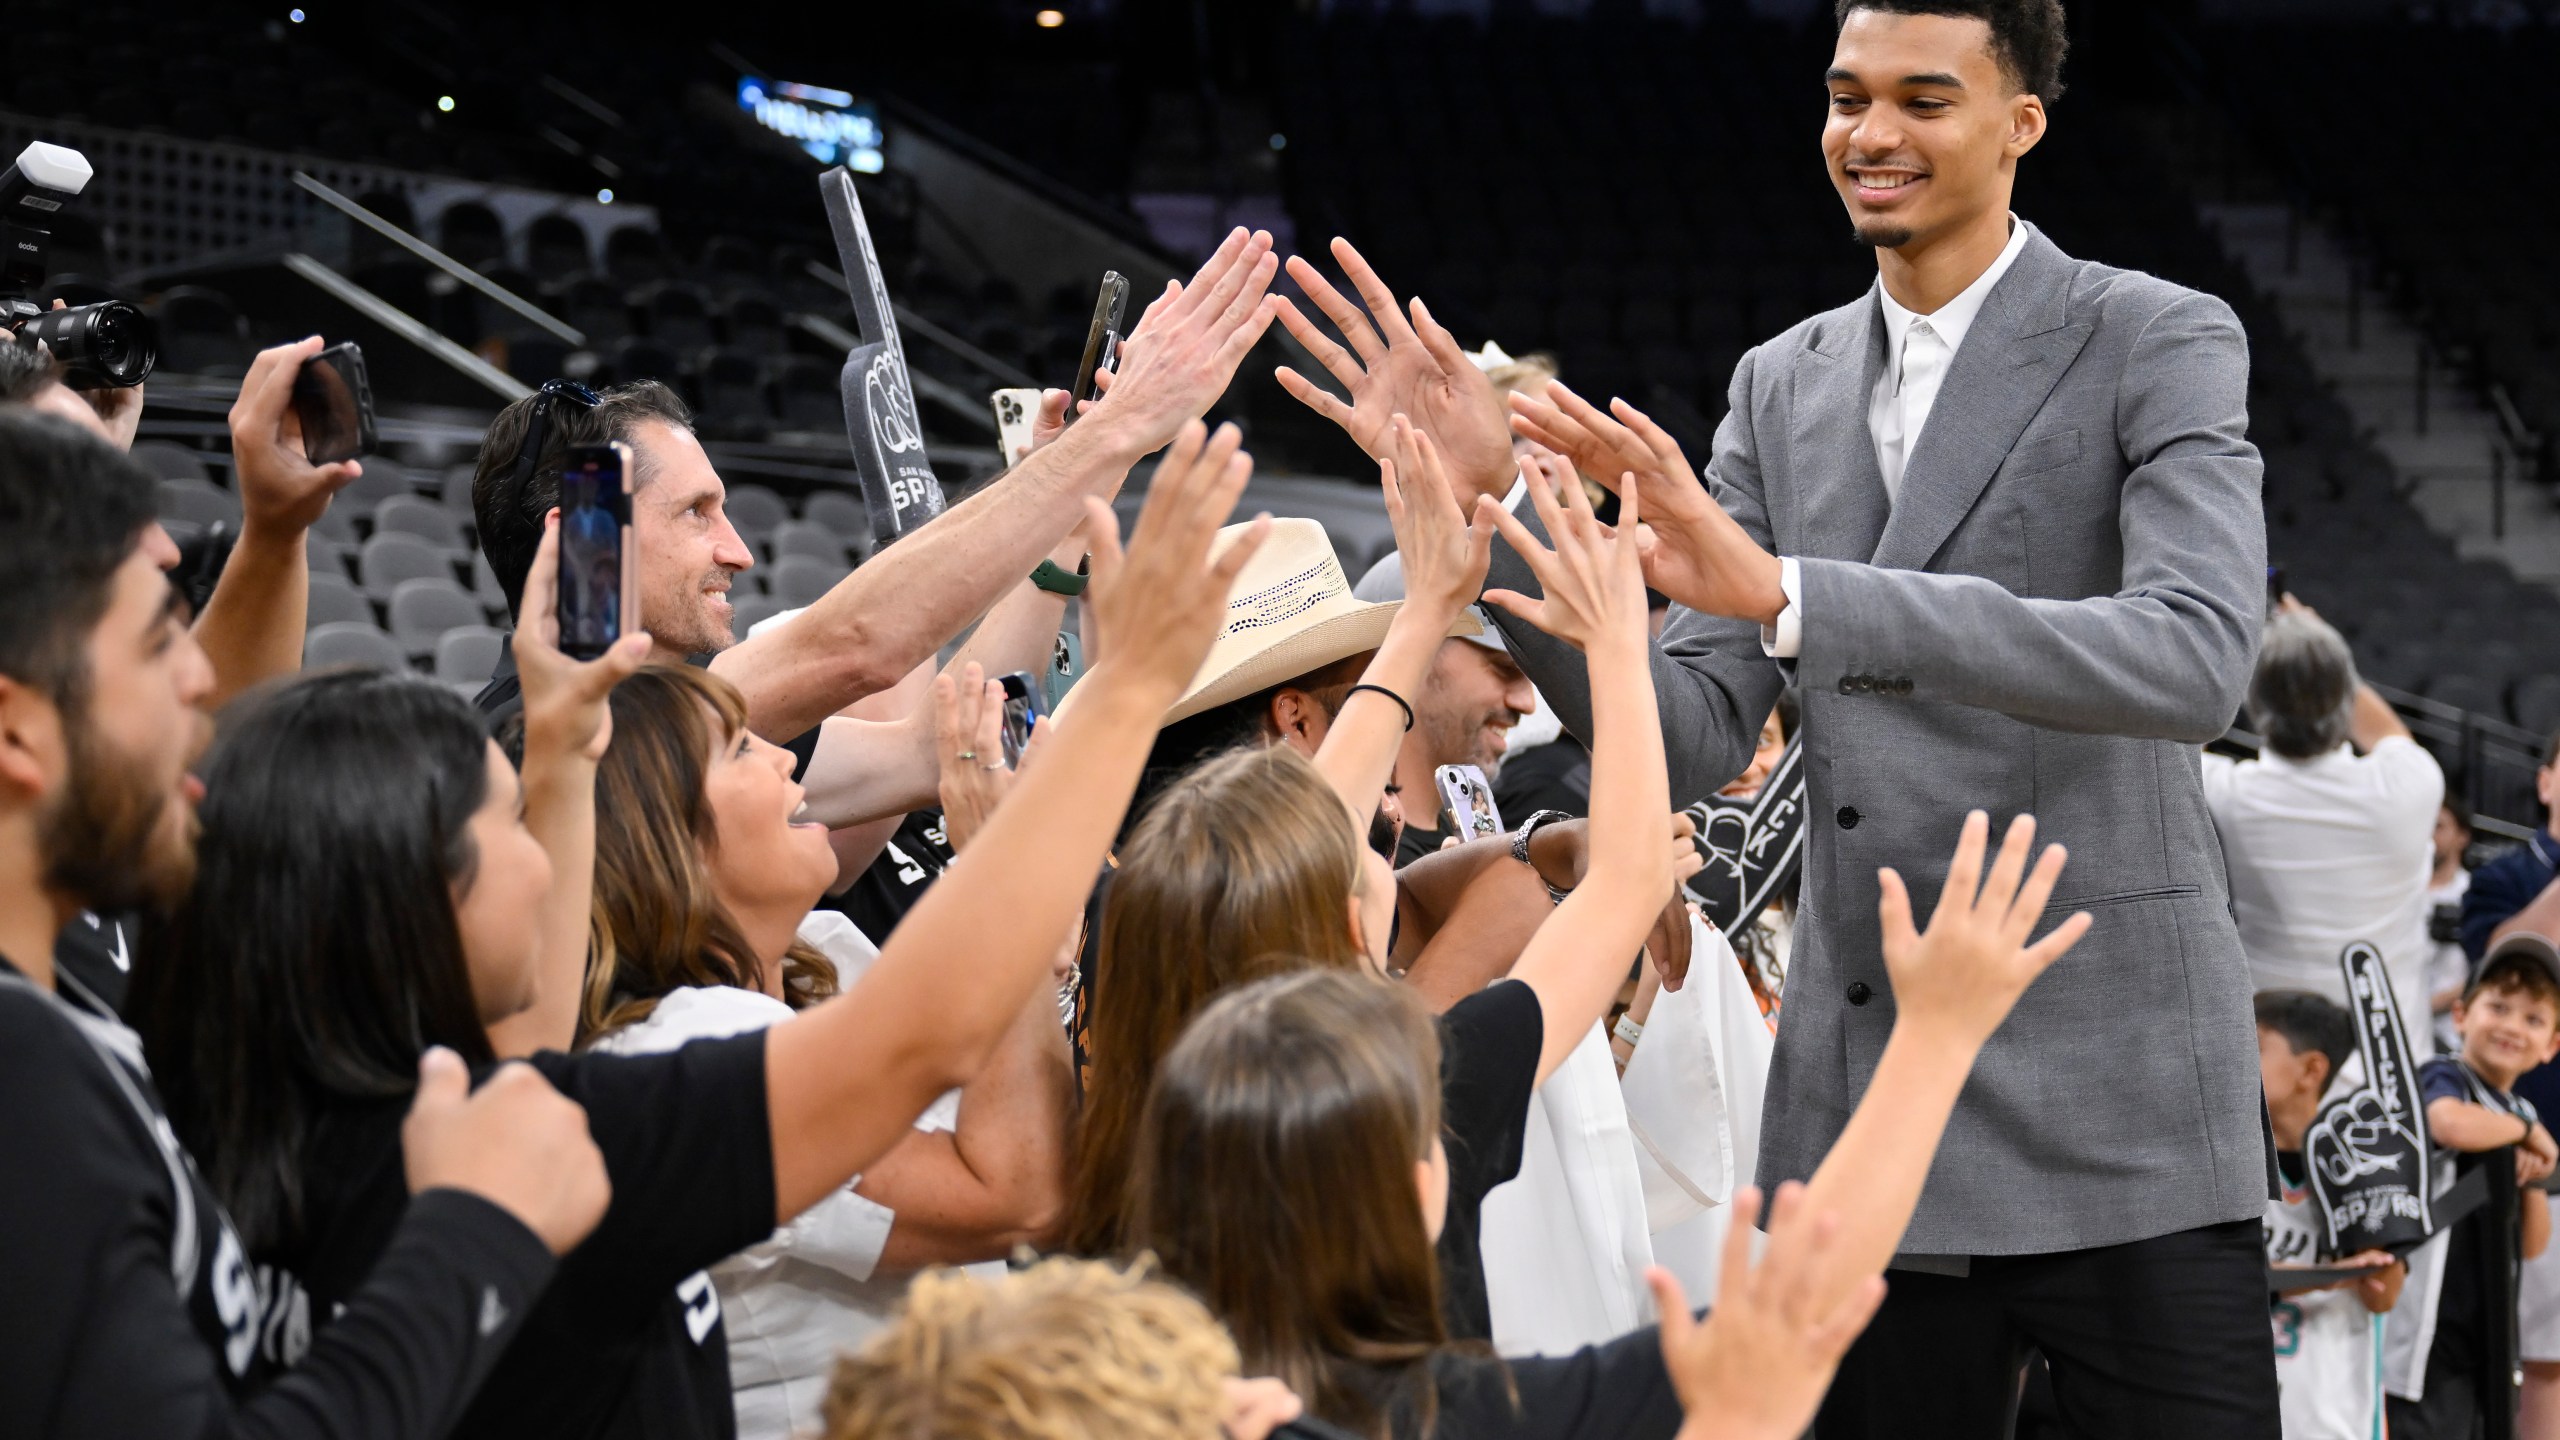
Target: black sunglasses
x=536 y=430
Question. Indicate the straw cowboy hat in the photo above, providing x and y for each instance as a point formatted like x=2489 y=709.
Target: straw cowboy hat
x=1291 y=612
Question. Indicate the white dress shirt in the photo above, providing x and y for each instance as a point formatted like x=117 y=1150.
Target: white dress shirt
x=1917 y=351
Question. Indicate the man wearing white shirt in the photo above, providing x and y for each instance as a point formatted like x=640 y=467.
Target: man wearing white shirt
x=2327 y=832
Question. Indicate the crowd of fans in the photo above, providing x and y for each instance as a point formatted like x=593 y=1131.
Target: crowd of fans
x=740 y=1035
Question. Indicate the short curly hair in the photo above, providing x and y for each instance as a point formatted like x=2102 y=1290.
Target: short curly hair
x=1066 y=1350
x=2028 y=37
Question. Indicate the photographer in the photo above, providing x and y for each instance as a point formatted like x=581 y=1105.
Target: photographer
x=128 y=1308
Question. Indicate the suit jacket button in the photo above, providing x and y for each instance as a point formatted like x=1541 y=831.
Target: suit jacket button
x=1848 y=817
x=1848 y=684
x=1901 y=684
x=1859 y=994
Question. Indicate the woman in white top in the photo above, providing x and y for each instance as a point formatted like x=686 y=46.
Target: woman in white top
x=695 y=938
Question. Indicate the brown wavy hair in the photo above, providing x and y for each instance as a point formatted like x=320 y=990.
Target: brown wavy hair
x=1243 y=868
x=1274 y=1176
x=657 y=925
x=1066 y=1350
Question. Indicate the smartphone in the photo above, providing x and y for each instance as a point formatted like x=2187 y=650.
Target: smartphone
x=335 y=404
x=1101 y=339
x=2275 y=588
x=1466 y=797
x=1025 y=701
x=598 y=589
x=1016 y=408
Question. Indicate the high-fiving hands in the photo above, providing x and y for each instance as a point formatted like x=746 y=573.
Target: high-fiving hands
x=1445 y=552
x=1152 y=613
x=1959 y=978
x=1693 y=551
x=1400 y=365
x=968 y=734
x=1757 y=1366
x=1593 y=584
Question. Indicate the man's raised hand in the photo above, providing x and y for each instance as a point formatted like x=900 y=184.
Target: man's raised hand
x=1693 y=551
x=1960 y=977
x=1186 y=346
x=1400 y=365
x=1152 y=613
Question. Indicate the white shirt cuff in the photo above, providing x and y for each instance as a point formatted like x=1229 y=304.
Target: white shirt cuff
x=1784 y=640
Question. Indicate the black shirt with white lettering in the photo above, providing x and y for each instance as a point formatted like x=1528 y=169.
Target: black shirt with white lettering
x=128 y=1309
x=914 y=857
x=627 y=1343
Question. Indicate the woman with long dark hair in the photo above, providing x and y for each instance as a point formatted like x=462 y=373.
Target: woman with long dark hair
x=285 y=1021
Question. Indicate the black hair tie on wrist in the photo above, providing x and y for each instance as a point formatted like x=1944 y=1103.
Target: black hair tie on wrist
x=1390 y=694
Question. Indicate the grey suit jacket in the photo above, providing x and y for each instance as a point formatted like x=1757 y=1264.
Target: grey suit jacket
x=2063 y=603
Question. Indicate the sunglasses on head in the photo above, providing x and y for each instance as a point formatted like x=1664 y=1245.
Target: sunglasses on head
x=536 y=430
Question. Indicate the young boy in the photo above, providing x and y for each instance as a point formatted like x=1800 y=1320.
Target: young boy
x=2328 y=1338
x=2509 y=1020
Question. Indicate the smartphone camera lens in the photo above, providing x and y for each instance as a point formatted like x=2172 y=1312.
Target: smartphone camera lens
x=109 y=345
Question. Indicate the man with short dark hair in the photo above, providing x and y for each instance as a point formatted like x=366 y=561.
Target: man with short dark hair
x=1998 y=523
x=130 y=1309
x=1470 y=700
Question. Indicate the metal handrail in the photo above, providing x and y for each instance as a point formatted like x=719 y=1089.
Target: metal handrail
x=444 y=262
x=910 y=320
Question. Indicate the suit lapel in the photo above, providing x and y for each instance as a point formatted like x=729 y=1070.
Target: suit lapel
x=1840 y=503
x=2016 y=352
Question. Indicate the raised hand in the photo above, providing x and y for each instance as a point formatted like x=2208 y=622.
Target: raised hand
x=564 y=700
x=1593 y=584
x=1757 y=1367
x=968 y=736
x=1152 y=613
x=1188 y=342
x=516 y=1143
x=1957 y=980
x=1397 y=366
x=1444 y=553
x=1693 y=551
x=280 y=489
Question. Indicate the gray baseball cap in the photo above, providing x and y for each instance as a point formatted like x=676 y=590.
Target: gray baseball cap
x=1385 y=582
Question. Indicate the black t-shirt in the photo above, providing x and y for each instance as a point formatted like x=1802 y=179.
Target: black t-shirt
x=131 y=1310
x=1489 y=1045
x=1553 y=776
x=907 y=866
x=1415 y=842
x=628 y=1342
x=503 y=697
x=1613 y=1391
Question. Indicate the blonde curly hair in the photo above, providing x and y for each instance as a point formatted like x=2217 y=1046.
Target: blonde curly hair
x=1066 y=1350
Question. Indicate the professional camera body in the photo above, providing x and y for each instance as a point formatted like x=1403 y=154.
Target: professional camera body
x=103 y=346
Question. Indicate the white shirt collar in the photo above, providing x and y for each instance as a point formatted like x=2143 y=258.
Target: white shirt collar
x=1954 y=318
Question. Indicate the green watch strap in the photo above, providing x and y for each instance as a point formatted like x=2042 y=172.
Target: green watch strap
x=1049 y=575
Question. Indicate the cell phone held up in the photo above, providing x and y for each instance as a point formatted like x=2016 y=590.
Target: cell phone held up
x=334 y=401
x=1101 y=339
x=1025 y=701
x=598 y=587
x=1466 y=797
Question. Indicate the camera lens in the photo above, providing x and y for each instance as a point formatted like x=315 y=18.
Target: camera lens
x=109 y=345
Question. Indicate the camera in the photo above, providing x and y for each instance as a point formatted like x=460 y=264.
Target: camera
x=109 y=345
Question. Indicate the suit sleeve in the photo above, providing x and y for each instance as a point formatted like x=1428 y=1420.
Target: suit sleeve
x=1715 y=685
x=2167 y=656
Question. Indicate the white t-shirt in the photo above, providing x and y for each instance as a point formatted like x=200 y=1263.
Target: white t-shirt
x=2447 y=965
x=797 y=1299
x=2328 y=1346
x=2327 y=851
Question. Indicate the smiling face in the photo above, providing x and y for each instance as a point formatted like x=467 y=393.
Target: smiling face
x=688 y=550
x=1925 y=129
x=1469 y=702
x=2507 y=1028
x=767 y=866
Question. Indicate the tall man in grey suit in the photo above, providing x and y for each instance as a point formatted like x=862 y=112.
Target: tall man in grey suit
x=1999 y=523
